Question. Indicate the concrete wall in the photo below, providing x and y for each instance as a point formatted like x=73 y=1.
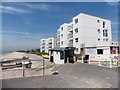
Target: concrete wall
x=56 y=58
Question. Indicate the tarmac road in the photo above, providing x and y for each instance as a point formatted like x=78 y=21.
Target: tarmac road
x=76 y=75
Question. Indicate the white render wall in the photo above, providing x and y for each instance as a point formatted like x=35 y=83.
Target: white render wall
x=56 y=58
x=87 y=32
x=64 y=38
x=49 y=44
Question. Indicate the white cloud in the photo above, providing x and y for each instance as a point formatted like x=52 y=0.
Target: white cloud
x=10 y=9
x=18 y=34
x=38 y=6
x=15 y=32
x=112 y=2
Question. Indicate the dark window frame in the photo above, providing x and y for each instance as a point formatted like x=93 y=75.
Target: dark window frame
x=76 y=30
x=76 y=20
x=76 y=39
x=99 y=51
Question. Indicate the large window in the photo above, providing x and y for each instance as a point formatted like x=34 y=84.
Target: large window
x=105 y=33
x=99 y=51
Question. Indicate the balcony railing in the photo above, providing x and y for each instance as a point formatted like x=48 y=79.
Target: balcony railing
x=43 y=44
x=70 y=36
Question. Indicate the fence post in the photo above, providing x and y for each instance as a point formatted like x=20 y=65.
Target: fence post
x=43 y=67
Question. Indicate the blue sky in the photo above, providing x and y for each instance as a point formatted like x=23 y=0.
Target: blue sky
x=24 y=24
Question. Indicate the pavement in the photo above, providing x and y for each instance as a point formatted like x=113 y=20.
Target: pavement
x=78 y=75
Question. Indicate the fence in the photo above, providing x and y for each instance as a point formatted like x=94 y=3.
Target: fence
x=38 y=68
x=112 y=62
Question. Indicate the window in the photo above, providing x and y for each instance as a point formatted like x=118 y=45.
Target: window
x=61 y=42
x=105 y=33
x=98 y=30
x=106 y=39
x=99 y=51
x=98 y=39
x=76 y=49
x=98 y=21
x=61 y=55
x=61 y=28
x=76 y=30
x=61 y=35
x=103 y=24
x=76 y=39
x=76 y=20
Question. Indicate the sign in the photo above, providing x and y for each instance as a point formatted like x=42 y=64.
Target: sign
x=116 y=57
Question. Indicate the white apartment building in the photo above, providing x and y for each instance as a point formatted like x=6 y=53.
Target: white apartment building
x=47 y=43
x=89 y=35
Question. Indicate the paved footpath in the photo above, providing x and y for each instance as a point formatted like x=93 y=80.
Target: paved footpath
x=76 y=75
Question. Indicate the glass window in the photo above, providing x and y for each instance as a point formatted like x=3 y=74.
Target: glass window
x=61 y=28
x=61 y=42
x=61 y=55
x=76 y=20
x=98 y=30
x=98 y=21
x=105 y=33
x=76 y=39
x=61 y=35
x=99 y=51
x=76 y=30
x=76 y=49
x=103 y=24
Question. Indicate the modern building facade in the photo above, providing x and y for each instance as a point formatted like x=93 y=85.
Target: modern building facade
x=89 y=35
x=47 y=43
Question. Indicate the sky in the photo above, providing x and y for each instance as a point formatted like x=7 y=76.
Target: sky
x=25 y=23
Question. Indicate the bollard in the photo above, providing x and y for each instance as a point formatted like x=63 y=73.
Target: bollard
x=110 y=62
x=99 y=62
x=89 y=61
x=82 y=59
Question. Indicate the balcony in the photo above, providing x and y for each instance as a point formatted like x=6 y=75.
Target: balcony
x=58 y=39
x=43 y=44
x=70 y=36
x=70 y=44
